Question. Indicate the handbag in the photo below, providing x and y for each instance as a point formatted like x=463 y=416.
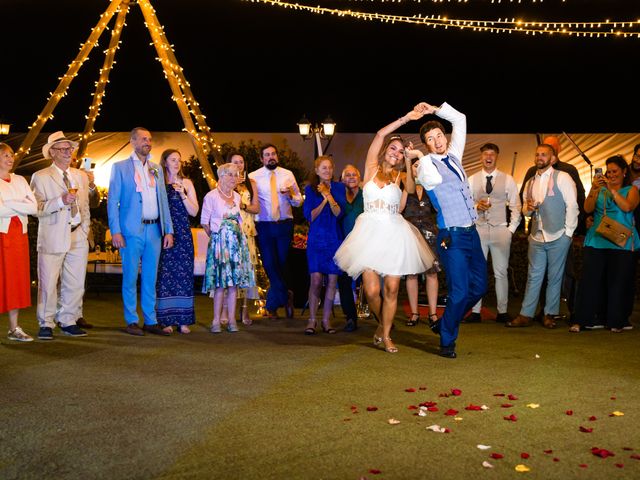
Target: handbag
x=612 y=230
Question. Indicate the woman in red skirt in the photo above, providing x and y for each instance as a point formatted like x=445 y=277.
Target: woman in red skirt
x=16 y=202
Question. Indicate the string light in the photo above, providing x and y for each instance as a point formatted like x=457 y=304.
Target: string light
x=605 y=28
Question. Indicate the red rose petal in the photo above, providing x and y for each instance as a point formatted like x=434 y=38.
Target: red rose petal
x=592 y=418
x=635 y=456
x=346 y=419
x=445 y=395
x=602 y=453
x=457 y=392
x=629 y=449
x=556 y=459
x=473 y=407
x=412 y=407
x=583 y=465
x=446 y=430
x=432 y=409
x=511 y=418
x=585 y=429
x=498 y=394
x=428 y=404
x=569 y=412
x=613 y=398
x=524 y=455
x=422 y=388
x=409 y=390
x=620 y=465
x=372 y=409
x=353 y=407
x=512 y=397
x=506 y=405
x=496 y=456
x=548 y=451
x=375 y=471
x=451 y=412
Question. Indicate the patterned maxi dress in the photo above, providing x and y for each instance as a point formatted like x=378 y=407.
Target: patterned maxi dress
x=228 y=260
x=175 y=304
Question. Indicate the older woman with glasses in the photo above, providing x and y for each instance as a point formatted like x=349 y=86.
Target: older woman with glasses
x=16 y=202
x=228 y=261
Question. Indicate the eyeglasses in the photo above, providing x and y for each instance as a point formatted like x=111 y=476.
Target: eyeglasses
x=63 y=149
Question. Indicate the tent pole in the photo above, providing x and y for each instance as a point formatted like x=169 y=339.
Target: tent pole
x=169 y=70
x=65 y=81
x=94 y=109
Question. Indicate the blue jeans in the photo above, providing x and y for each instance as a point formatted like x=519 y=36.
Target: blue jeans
x=274 y=240
x=466 y=272
x=144 y=250
x=548 y=257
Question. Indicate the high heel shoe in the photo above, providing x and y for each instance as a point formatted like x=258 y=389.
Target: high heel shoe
x=387 y=348
x=434 y=325
x=413 y=320
x=244 y=315
x=310 y=330
x=377 y=341
x=327 y=329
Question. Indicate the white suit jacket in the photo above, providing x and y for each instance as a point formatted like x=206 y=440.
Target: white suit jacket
x=54 y=222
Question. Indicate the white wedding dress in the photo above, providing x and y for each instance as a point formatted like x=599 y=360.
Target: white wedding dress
x=381 y=239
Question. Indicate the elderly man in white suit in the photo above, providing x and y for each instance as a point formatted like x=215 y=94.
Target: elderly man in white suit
x=62 y=193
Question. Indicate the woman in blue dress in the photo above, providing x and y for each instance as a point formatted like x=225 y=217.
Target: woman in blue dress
x=174 y=288
x=323 y=207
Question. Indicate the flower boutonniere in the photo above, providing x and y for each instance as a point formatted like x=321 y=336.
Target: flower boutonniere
x=153 y=170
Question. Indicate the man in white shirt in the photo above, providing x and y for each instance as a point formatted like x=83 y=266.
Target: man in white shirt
x=550 y=199
x=277 y=192
x=493 y=192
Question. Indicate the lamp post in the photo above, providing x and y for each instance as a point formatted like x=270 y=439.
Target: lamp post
x=325 y=130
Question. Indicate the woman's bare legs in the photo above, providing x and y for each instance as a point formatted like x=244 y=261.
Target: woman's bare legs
x=315 y=283
x=329 y=296
x=432 y=293
x=232 y=294
x=389 y=307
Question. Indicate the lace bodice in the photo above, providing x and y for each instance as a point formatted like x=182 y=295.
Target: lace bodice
x=381 y=200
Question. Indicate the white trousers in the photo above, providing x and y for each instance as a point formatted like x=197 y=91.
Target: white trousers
x=69 y=269
x=497 y=240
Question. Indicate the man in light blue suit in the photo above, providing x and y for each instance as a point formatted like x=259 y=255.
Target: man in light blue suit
x=141 y=226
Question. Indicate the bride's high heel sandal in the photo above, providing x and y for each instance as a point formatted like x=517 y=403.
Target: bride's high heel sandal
x=387 y=348
x=377 y=341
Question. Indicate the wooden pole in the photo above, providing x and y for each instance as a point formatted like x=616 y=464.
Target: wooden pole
x=178 y=97
x=65 y=81
x=94 y=109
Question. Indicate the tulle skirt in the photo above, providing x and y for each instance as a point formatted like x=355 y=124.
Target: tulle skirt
x=385 y=243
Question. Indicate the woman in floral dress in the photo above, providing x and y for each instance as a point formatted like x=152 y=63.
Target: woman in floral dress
x=228 y=261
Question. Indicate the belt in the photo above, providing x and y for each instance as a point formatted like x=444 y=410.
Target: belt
x=150 y=222
x=276 y=221
x=470 y=228
x=75 y=227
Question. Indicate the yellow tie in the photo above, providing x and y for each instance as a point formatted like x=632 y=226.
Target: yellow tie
x=275 y=203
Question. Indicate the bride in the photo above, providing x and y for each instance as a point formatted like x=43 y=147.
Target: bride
x=382 y=243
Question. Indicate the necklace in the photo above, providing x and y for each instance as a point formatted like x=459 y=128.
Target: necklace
x=224 y=195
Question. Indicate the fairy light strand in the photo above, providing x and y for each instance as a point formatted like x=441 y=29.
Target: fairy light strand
x=605 y=28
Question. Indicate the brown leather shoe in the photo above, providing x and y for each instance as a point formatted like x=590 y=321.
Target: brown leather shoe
x=134 y=329
x=549 y=321
x=519 y=321
x=82 y=323
x=155 y=329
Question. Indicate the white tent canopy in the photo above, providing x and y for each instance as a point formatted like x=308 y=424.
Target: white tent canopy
x=516 y=150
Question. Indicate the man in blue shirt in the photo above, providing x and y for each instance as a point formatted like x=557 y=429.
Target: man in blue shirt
x=441 y=174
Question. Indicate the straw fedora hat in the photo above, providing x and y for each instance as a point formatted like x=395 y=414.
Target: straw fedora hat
x=56 y=137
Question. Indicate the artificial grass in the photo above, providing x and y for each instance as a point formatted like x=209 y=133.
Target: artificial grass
x=272 y=403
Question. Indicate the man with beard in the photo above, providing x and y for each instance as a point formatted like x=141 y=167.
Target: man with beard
x=140 y=225
x=550 y=200
x=277 y=192
x=495 y=191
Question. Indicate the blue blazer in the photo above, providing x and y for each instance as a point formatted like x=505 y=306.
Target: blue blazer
x=124 y=204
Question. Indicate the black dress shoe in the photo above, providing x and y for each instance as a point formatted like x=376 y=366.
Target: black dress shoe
x=472 y=318
x=503 y=318
x=351 y=325
x=82 y=323
x=155 y=329
x=434 y=325
x=448 y=352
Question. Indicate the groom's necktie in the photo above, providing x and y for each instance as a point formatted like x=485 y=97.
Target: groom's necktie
x=451 y=167
x=489 y=187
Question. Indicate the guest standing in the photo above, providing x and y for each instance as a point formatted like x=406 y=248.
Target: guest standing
x=63 y=215
x=141 y=226
x=383 y=246
x=16 y=202
x=228 y=263
x=277 y=193
x=249 y=207
x=608 y=270
x=174 y=290
x=353 y=207
x=416 y=208
x=323 y=207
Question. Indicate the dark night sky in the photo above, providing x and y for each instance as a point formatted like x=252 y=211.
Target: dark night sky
x=258 y=68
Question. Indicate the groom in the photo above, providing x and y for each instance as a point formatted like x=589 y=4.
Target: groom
x=141 y=226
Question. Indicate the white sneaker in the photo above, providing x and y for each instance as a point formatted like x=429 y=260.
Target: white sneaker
x=19 y=336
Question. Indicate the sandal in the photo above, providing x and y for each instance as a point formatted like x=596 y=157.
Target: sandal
x=329 y=330
x=310 y=330
x=434 y=325
x=575 y=328
x=414 y=320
